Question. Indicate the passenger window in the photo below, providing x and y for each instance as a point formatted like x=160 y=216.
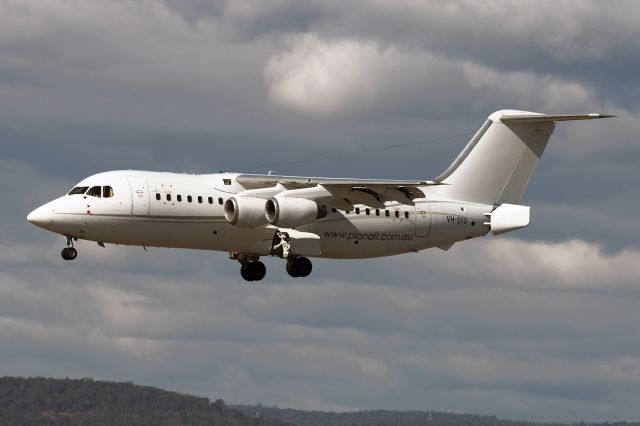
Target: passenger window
x=397 y=213
x=189 y=199
x=386 y=213
x=95 y=191
x=357 y=210
x=220 y=201
x=367 y=211
x=199 y=199
x=168 y=197
x=179 y=198
x=78 y=190
x=406 y=215
x=377 y=212
x=107 y=192
x=210 y=199
x=158 y=196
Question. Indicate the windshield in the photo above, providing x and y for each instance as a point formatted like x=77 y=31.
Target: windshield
x=95 y=191
x=78 y=190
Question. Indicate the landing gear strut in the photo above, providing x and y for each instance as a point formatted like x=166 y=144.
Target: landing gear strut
x=69 y=252
x=299 y=267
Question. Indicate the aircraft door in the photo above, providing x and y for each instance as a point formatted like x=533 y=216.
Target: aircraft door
x=139 y=196
x=423 y=219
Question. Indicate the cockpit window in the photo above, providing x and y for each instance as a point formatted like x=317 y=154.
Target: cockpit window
x=107 y=191
x=95 y=191
x=78 y=190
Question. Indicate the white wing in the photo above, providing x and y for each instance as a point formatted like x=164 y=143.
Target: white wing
x=333 y=192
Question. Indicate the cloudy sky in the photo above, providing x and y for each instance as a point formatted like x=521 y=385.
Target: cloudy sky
x=540 y=324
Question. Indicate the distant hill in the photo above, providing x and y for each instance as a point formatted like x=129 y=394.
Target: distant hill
x=391 y=418
x=40 y=401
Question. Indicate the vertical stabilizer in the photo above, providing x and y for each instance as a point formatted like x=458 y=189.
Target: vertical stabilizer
x=496 y=165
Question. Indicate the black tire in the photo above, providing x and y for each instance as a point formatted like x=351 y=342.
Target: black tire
x=304 y=266
x=72 y=253
x=64 y=253
x=245 y=271
x=292 y=269
x=258 y=270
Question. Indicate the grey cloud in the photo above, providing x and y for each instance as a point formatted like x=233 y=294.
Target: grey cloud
x=211 y=335
x=542 y=324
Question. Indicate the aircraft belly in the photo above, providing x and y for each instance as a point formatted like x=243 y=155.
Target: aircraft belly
x=204 y=234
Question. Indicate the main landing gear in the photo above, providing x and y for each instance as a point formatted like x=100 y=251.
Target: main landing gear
x=299 y=267
x=69 y=252
x=253 y=270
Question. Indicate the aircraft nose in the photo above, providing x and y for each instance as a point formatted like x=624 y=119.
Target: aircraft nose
x=40 y=216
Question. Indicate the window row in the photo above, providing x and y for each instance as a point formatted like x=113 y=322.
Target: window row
x=378 y=212
x=94 y=191
x=189 y=198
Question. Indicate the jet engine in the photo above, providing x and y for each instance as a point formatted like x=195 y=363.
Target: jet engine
x=247 y=212
x=293 y=212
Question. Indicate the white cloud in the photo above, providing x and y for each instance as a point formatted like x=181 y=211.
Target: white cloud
x=327 y=77
x=541 y=265
x=320 y=77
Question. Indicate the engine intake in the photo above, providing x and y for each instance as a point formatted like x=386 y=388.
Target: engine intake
x=293 y=212
x=246 y=212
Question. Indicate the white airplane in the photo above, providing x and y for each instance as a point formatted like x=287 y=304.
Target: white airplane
x=252 y=215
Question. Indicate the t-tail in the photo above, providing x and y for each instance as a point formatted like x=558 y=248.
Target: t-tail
x=496 y=165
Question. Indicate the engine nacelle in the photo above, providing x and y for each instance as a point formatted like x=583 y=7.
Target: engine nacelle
x=293 y=212
x=247 y=212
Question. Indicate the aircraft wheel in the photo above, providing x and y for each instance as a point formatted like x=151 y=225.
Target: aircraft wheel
x=299 y=267
x=69 y=253
x=72 y=253
x=304 y=266
x=258 y=270
x=292 y=268
x=245 y=271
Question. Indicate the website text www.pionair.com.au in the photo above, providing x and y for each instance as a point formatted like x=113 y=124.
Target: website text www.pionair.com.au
x=367 y=236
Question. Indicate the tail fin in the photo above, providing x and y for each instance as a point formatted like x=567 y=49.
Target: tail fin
x=496 y=165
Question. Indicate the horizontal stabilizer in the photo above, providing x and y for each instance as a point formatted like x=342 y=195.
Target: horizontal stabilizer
x=543 y=118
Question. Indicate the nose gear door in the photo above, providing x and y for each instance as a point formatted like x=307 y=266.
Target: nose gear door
x=139 y=196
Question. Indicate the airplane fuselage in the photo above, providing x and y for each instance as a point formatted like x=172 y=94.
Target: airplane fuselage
x=157 y=209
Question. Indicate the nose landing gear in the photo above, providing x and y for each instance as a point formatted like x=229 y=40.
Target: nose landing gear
x=69 y=252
